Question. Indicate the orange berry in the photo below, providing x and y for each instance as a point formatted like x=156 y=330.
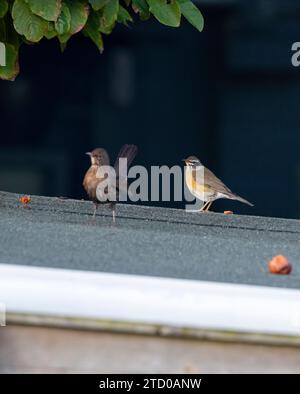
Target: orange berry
x=25 y=200
x=280 y=265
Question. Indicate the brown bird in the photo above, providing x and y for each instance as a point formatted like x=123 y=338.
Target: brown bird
x=207 y=188
x=99 y=157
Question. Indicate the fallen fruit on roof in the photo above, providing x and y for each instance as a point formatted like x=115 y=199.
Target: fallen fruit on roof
x=280 y=265
x=25 y=200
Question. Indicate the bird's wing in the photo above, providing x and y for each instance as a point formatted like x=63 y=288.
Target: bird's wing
x=215 y=184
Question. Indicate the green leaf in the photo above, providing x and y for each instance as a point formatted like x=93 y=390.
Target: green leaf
x=47 y=9
x=63 y=39
x=141 y=7
x=29 y=20
x=166 y=12
x=106 y=29
x=91 y=30
x=108 y=16
x=79 y=15
x=124 y=16
x=50 y=32
x=26 y=23
x=3 y=8
x=11 y=69
x=63 y=23
x=63 y=46
x=110 y=12
x=98 y=4
x=192 y=14
x=26 y=41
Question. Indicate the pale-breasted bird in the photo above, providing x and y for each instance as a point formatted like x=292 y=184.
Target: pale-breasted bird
x=99 y=157
x=206 y=186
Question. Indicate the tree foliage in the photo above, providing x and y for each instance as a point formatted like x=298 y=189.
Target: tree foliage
x=29 y=21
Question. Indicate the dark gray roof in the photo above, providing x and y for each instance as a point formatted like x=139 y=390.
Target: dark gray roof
x=54 y=232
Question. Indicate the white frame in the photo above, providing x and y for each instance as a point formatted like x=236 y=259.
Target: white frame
x=83 y=299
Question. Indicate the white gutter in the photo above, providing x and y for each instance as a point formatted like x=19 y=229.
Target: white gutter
x=113 y=301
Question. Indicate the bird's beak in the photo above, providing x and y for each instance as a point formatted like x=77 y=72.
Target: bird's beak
x=88 y=153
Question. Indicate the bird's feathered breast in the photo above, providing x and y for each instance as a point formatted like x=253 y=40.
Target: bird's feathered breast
x=90 y=182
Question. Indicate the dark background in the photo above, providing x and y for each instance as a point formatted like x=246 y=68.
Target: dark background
x=229 y=95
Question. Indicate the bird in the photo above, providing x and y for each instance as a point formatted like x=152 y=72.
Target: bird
x=211 y=189
x=99 y=158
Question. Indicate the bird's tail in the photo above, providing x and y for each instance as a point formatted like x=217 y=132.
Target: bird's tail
x=126 y=152
x=241 y=199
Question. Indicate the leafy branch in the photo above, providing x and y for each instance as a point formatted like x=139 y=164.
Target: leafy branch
x=29 y=21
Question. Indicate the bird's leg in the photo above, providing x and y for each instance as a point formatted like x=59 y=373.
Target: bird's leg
x=204 y=207
x=208 y=206
x=92 y=219
x=113 y=208
x=95 y=210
